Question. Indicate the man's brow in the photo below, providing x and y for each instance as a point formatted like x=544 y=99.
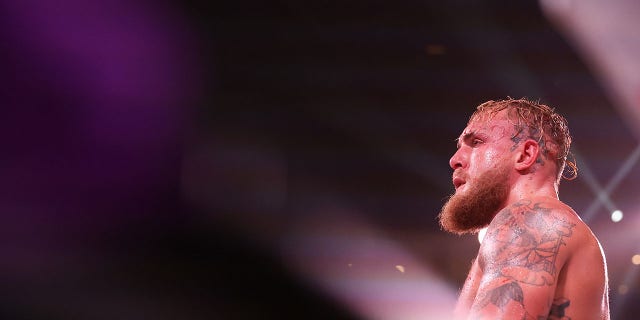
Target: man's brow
x=465 y=137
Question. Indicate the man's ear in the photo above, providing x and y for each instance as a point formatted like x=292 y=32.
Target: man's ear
x=527 y=155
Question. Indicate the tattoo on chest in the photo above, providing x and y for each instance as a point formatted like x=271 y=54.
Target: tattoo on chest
x=510 y=292
x=558 y=309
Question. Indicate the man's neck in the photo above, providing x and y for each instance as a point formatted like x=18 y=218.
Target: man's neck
x=531 y=189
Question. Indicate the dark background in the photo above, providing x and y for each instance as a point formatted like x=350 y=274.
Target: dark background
x=170 y=161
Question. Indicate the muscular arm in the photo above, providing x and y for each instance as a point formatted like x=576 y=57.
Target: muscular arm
x=521 y=257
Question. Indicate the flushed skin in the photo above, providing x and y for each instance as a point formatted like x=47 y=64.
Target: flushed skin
x=538 y=260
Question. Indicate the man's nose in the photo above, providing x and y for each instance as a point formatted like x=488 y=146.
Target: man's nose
x=457 y=160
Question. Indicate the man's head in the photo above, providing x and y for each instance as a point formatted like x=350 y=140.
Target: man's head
x=539 y=122
x=503 y=142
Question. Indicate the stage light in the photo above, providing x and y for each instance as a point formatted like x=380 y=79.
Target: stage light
x=635 y=259
x=616 y=216
x=435 y=49
x=602 y=194
x=623 y=289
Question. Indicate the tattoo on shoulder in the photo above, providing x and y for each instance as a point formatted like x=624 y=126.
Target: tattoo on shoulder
x=527 y=240
x=525 y=244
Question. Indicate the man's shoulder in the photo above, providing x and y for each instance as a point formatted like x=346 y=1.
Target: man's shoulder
x=541 y=218
x=532 y=233
x=529 y=210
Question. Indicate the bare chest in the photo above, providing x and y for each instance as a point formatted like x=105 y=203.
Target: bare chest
x=469 y=290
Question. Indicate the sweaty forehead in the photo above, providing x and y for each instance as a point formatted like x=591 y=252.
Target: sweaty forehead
x=496 y=127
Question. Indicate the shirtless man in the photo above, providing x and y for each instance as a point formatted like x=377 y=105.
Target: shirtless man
x=538 y=259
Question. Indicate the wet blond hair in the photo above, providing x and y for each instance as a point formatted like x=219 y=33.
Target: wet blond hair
x=533 y=120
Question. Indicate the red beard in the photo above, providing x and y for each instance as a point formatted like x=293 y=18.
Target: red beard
x=472 y=210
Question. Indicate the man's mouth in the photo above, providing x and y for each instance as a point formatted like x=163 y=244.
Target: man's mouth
x=458 y=181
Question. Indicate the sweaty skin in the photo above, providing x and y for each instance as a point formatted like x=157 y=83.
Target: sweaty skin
x=531 y=265
x=538 y=260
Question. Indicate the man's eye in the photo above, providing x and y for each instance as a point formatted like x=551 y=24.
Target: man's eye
x=476 y=142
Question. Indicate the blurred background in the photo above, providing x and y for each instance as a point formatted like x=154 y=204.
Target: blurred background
x=287 y=159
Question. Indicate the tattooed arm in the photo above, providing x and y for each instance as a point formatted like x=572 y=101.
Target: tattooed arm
x=520 y=259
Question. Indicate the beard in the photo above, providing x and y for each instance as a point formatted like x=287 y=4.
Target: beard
x=474 y=209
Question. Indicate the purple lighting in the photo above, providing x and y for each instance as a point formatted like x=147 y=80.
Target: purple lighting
x=97 y=94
